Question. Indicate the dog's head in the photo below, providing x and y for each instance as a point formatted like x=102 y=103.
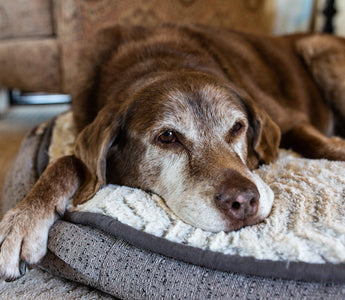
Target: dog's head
x=191 y=139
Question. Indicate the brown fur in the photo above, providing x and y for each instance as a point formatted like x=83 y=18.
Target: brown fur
x=233 y=98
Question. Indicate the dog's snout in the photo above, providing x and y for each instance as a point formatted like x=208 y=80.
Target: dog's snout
x=238 y=197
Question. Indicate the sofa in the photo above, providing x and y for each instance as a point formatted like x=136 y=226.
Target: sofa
x=39 y=39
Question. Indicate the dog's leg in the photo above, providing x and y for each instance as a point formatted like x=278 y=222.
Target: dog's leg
x=24 y=229
x=324 y=55
x=311 y=143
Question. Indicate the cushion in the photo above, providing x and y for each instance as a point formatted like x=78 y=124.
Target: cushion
x=128 y=262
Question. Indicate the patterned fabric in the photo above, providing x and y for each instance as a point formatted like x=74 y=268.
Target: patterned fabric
x=90 y=256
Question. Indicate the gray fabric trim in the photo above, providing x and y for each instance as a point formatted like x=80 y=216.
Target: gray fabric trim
x=42 y=153
x=214 y=260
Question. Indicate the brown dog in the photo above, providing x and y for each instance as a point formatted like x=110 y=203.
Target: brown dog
x=187 y=113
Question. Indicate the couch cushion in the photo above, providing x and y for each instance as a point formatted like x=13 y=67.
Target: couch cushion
x=22 y=18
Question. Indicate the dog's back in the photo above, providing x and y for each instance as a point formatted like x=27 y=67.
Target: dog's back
x=269 y=69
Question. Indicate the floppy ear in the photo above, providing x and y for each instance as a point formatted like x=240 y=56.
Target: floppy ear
x=92 y=55
x=92 y=146
x=263 y=138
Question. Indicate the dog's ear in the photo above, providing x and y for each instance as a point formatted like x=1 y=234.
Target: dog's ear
x=263 y=138
x=90 y=70
x=92 y=146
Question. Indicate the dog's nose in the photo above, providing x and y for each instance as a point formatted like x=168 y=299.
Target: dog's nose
x=238 y=197
x=240 y=206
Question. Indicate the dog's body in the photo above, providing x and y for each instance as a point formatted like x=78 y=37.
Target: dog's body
x=187 y=113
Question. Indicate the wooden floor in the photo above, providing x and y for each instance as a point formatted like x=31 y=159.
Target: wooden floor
x=14 y=124
x=9 y=144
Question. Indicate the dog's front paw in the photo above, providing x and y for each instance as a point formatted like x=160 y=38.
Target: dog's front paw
x=23 y=240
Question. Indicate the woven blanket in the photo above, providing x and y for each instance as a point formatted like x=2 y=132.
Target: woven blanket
x=306 y=222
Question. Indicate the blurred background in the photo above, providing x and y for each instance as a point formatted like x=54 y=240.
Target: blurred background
x=39 y=48
x=39 y=43
x=39 y=39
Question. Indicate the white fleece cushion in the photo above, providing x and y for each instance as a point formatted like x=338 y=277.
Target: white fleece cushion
x=306 y=223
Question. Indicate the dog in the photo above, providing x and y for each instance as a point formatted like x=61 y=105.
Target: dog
x=186 y=112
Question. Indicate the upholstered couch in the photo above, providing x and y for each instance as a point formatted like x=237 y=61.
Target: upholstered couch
x=39 y=38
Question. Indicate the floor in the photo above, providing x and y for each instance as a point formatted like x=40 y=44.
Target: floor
x=15 y=122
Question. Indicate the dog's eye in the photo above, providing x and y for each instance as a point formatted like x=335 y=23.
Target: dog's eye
x=167 y=137
x=236 y=128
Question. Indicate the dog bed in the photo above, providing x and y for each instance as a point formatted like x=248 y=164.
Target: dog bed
x=129 y=244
